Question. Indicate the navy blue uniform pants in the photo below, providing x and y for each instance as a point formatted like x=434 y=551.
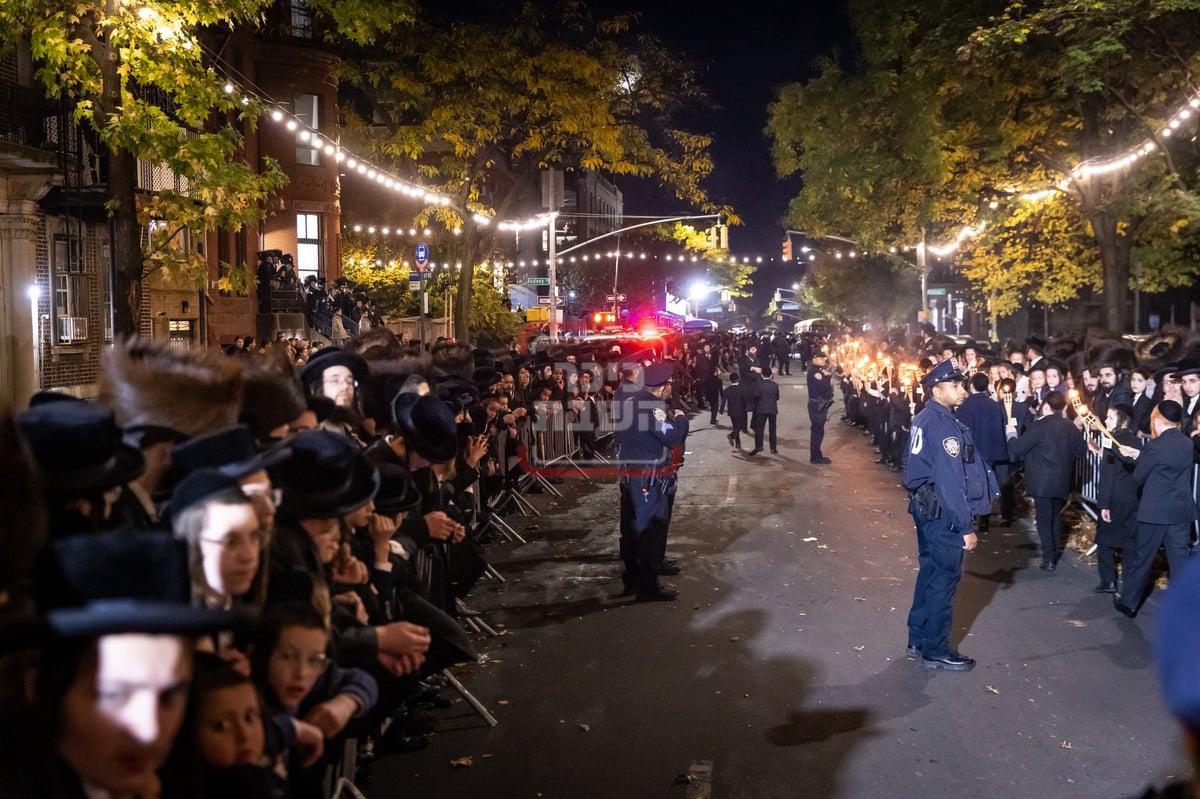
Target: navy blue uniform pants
x=817 y=434
x=645 y=518
x=940 y=555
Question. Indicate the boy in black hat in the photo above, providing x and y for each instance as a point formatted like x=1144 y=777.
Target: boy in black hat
x=114 y=647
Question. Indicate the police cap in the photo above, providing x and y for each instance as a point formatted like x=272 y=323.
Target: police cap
x=944 y=372
x=658 y=374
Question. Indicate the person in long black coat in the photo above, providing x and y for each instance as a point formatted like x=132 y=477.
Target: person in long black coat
x=1167 y=508
x=735 y=404
x=766 y=413
x=1048 y=448
x=987 y=420
x=1117 y=498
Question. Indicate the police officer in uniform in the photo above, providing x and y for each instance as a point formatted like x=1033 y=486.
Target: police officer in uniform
x=649 y=431
x=948 y=485
x=820 y=397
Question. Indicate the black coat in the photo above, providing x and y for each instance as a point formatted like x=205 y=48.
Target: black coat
x=1118 y=494
x=768 y=397
x=1049 y=448
x=735 y=401
x=1164 y=471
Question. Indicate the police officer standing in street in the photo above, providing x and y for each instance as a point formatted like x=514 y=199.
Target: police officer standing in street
x=820 y=397
x=644 y=440
x=949 y=485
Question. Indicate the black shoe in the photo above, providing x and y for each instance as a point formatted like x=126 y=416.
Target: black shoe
x=730 y=439
x=1122 y=608
x=821 y=460
x=1047 y=566
x=668 y=569
x=950 y=662
x=754 y=452
x=1106 y=588
x=774 y=452
x=912 y=652
x=660 y=594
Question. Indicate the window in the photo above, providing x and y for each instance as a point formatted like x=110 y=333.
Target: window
x=301 y=19
x=309 y=245
x=69 y=285
x=306 y=114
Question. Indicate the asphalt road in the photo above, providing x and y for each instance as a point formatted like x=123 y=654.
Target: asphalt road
x=780 y=671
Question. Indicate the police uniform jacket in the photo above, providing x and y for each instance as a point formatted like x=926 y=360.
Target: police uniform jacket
x=1164 y=471
x=647 y=432
x=941 y=452
x=1048 y=448
x=819 y=387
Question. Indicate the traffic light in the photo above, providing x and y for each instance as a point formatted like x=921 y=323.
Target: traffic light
x=787 y=248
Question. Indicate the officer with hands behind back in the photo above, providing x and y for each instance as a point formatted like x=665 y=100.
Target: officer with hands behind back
x=649 y=430
x=948 y=485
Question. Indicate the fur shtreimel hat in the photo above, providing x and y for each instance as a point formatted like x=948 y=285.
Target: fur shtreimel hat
x=453 y=359
x=271 y=393
x=151 y=386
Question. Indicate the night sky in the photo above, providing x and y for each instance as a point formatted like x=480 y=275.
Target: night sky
x=744 y=52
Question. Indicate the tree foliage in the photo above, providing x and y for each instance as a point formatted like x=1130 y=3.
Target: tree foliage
x=880 y=289
x=479 y=110
x=959 y=108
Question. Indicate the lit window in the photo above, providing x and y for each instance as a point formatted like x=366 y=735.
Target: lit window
x=309 y=245
x=306 y=114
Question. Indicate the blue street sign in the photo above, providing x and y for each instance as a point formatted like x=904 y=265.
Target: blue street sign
x=422 y=254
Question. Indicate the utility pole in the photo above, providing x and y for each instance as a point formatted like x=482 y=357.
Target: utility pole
x=553 y=273
x=616 y=271
x=924 y=270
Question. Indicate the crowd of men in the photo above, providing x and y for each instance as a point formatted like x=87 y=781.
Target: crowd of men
x=223 y=568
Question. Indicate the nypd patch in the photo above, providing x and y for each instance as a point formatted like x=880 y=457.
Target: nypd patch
x=660 y=414
x=951 y=445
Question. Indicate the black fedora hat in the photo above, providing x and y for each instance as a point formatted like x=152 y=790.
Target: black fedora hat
x=231 y=451
x=120 y=581
x=326 y=476
x=78 y=447
x=457 y=393
x=397 y=491
x=485 y=377
x=427 y=425
x=200 y=485
x=334 y=356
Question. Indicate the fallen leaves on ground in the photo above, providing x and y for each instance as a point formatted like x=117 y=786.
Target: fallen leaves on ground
x=585 y=727
x=859 y=648
x=1064 y=745
x=461 y=762
x=991 y=690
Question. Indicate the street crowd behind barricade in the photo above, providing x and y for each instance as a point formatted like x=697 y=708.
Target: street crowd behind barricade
x=1106 y=422
x=243 y=567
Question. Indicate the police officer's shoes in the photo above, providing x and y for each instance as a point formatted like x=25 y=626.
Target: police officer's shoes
x=912 y=652
x=949 y=662
x=821 y=461
x=1106 y=588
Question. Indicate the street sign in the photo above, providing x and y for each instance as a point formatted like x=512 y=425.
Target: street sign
x=940 y=292
x=422 y=254
x=537 y=281
x=616 y=298
x=414 y=280
x=546 y=301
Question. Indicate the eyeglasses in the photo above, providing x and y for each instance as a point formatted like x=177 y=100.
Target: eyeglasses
x=340 y=381
x=315 y=662
x=238 y=541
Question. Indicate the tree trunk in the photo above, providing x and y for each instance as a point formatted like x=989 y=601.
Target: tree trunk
x=127 y=245
x=1114 y=259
